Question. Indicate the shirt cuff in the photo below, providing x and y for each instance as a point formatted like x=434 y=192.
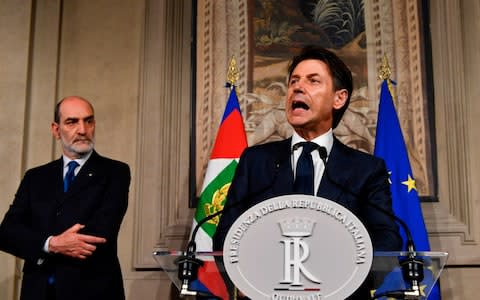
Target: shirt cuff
x=45 y=246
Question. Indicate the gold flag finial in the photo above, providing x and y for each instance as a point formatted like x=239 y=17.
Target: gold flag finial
x=232 y=75
x=384 y=71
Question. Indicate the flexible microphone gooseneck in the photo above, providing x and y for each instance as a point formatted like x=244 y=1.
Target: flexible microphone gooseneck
x=188 y=264
x=412 y=266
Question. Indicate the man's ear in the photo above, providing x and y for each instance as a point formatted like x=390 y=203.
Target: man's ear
x=341 y=97
x=55 y=130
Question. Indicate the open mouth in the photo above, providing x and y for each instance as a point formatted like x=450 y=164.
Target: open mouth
x=300 y=105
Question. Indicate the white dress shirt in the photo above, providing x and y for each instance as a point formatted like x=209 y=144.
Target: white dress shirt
x=325 y=140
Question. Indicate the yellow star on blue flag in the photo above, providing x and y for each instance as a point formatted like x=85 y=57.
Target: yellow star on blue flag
x=410 y=183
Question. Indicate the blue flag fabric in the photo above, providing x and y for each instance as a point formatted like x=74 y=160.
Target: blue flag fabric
x=390 y=145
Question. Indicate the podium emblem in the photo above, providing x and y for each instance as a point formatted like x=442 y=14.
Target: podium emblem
x=296 y=251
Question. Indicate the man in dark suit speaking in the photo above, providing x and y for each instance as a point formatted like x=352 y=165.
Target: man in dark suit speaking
x=66 y=215
x=313 y=161
x=319 y=90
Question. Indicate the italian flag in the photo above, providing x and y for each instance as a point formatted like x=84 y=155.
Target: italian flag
x=229 y=144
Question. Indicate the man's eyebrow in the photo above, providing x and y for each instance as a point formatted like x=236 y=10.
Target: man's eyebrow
x=90 y=117
x=306 y=76
x=72 y=119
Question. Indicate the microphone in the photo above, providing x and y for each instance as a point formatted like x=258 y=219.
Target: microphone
x=188 y=264
x=412 y=266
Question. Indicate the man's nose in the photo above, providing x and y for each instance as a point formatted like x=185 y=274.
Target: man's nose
x=81 y=127
x=298 y=86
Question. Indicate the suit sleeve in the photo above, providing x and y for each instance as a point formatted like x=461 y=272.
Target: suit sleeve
x=17 y=235
x=382 y=227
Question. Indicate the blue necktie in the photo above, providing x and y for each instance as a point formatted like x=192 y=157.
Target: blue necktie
x=304 y=178
x=67 y=181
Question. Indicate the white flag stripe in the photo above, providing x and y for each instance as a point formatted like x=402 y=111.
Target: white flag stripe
x=203 y=240
x=215 y=166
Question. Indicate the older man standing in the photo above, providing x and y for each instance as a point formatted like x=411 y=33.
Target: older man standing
x=66 y=215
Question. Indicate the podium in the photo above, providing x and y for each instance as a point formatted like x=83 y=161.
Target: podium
x=304 y=248
x=385 y=274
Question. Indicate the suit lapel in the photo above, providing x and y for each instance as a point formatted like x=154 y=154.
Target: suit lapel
x=283 y=174
x=338 y=170
x=88 y=172
x=57 y=175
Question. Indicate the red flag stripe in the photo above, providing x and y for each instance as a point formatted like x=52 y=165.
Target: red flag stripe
x=212 y=279
x=231 y=138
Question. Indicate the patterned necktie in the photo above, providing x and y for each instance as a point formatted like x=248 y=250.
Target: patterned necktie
x=67 y=181
x=305 y=174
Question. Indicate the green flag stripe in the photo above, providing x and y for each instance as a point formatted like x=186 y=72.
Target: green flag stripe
x=213 y=197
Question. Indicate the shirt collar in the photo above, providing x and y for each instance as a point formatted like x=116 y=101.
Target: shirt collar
x=81 y=161
x=325 y=140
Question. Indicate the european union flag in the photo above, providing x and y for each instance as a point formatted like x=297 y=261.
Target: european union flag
x=390 y=145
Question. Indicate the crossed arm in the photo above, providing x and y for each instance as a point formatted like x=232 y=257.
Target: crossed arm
x=74 y=244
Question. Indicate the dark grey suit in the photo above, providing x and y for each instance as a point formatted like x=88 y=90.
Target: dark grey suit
x=98 y=199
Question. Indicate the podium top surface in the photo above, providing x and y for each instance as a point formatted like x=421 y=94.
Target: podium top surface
x=174 y=253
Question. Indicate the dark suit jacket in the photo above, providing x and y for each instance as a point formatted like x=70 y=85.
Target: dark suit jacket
x=356 y=179
x=97 y=198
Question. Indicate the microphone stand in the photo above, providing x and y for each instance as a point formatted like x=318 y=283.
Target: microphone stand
x=188 y=264
x=412 y=270
x=412 y=266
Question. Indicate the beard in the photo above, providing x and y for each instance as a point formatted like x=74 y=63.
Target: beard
x=79 y=147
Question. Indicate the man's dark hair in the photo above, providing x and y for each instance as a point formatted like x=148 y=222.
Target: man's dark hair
x=56 y=114
x=341 y=74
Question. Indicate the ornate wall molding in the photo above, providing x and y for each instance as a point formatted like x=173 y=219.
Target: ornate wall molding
x=222 y=32
x=392 y=29
x=456 y=228
x=162 y=217
x=395 y=31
